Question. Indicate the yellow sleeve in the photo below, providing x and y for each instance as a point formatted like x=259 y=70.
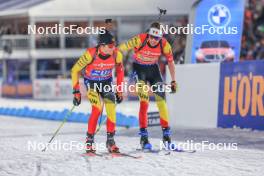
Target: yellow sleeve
x=119 y=57
x=167 y=51
x=130 y=44
x=119 y=70
x=84 y=60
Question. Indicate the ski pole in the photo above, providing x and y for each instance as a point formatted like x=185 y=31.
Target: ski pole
x=58 y=129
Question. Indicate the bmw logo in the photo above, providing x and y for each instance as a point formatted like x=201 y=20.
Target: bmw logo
x=219 y=15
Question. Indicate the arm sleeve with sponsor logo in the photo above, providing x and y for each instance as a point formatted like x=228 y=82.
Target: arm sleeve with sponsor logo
x=84 y=60
x=167 y=52
x=132 y=43
x=119 y=70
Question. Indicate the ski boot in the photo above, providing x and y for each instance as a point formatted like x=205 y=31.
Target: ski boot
x=144 y=142
x=167 y=139
x=110 y=143
x=89 y=143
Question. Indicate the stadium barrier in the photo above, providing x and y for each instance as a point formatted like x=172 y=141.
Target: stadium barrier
x=195 y=103
x=121 y=119
x=52 y=89
x=223 y=95
x=210 y=95
x=241 y=95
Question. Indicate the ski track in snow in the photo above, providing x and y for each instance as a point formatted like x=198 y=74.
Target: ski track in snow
x=16 y=159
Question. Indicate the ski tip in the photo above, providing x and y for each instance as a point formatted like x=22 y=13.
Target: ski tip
x=125 y=155
x=91 y=154
x=148 y=150
x=185 y=151
x=192 y=151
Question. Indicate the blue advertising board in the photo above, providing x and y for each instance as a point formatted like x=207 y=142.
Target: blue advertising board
x=241 y=95
x=218 y=29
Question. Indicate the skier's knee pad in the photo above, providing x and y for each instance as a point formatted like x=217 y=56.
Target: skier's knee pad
x=142 y=91
x=94 y=98
x=143 y=97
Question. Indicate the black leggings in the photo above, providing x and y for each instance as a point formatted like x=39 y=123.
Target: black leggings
x=148 y=73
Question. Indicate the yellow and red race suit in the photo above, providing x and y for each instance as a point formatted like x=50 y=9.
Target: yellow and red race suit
x=146 y=68
x=96 y=68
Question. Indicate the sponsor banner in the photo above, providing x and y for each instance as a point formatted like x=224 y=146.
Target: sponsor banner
x=17 y=90
x=218 y=30
x=52 y=89
x=63 y=89
x=241 y=100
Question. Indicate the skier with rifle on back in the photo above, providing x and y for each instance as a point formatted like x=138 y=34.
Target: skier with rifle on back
x=148 y=48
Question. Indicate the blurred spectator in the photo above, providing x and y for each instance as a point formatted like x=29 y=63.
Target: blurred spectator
x=252 y=46
x=259 y=50
x=178 y=41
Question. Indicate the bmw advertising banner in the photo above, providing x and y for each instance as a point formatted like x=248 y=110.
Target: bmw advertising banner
x=241 y=95
x=217 y=32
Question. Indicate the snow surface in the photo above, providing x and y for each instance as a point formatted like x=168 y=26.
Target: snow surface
x=17 y=159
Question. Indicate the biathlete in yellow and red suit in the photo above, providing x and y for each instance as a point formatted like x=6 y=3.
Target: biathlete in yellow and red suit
x=148 y=48
x=97 y=64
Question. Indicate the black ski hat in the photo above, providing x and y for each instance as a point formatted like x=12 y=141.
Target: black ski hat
x=106 y=38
